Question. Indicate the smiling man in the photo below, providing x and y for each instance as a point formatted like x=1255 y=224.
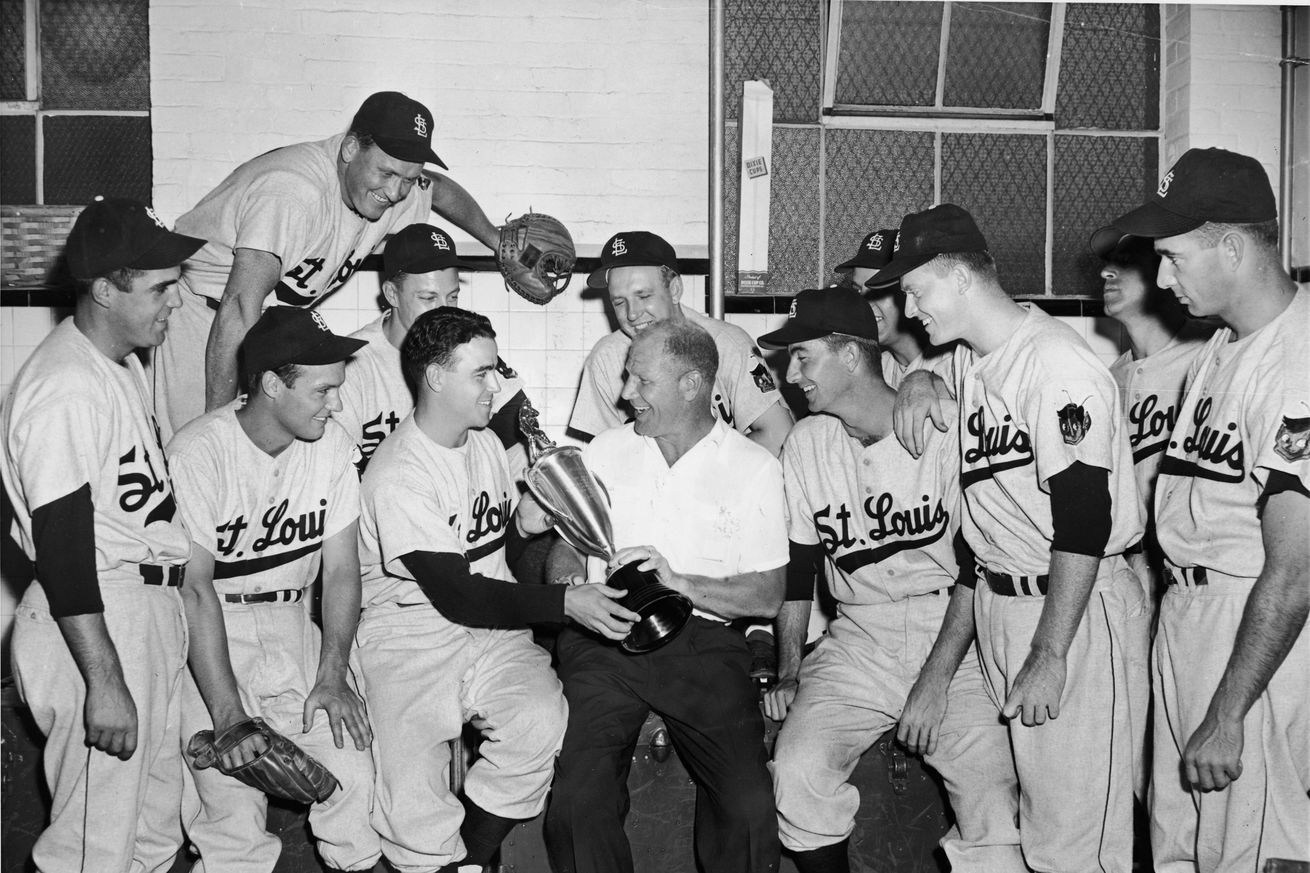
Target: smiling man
x=267 y=490
x=99 y=641
x=1232 y=511
x=290 y=227
x=1050 y=507
x=640 y=272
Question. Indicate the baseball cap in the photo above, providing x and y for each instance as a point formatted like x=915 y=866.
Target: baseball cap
x=632 y=248
x=1203 y=185
x=399 y=125
x=874 y=253
x=113 y=233
x=943 y=229
x=419 y=248
x=817 y=312
x=291 y=335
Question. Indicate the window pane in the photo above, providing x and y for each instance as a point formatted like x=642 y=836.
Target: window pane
x=18 y=168
x=888 y=54
x=1001 y=180
x=776 y=40
x=1110 y=67
x=996 y=55
x=793 y=210
x=95 y=54
x=90 y=155
x=1097 y=178
x=13 y=52
x=874 y=177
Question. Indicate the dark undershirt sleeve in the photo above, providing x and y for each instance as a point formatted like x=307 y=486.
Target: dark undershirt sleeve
x=63 y=532
x=1080 y=509
x=802 y=570
x=965 y=560
x=478 y=601
x=505 y=423
x=1280 y=481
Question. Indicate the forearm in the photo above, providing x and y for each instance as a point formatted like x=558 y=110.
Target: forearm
x=747 y=595
x=92 y=648
x=953 y=640
x=452 y=202
x=1072 y=577
x=790 y=628
x=208 y=655
x=341 y=604
x=225 y=335
x=477 y=601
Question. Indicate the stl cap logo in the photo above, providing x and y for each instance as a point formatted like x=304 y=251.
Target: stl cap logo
x=440 y=242
x=791 y=312
x=318 y=319
x=875 y=243
x=420 y=125
x=897 y=246
x=155 y=218
x=619 y=247
x=1164 y=184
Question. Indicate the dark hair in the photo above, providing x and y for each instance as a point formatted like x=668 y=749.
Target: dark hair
x=434 y=337
x=869 y=349
x=690 y=345
x=1137 y=253
x=365 y=140
x=1265 y=233
x=288 y=373
x=121 y=279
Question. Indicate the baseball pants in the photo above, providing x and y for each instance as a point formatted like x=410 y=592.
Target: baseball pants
x=853 y=688
x=106 y=814
x=423 y=678
x=700 y=683
x=1264 y=813
x=275 y=652
x=1076 y=771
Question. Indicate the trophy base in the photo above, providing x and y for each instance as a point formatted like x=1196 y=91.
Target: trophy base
x=664 y=612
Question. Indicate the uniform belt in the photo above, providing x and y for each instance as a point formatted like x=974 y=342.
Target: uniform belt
x=1188 y=577
x=168 y=576
x=287 y=595
x=1014 y=586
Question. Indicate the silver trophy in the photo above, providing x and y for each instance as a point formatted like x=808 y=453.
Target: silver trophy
x=567 y=490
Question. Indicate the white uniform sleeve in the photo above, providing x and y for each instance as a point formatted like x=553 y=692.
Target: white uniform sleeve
x=273 y=217
x=56 y=448
x=748 y=379
x=597 y=408
x=800 y=514
x=343 y=493
x=410 y=517
x=1087 y=403
x=1279 y=419
x=194 y=481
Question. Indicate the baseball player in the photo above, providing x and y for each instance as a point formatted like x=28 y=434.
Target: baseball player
x=443 y=638
x=99 y=643
x=640 y=272
x=710 y=505
x=901 y=646
x=904 y=346
x=290 y=227
x=268 y=492
x=1232 y=510
x=420 y=271
x=1050 y=507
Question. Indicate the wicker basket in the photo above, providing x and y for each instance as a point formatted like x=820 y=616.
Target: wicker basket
x=31 y=241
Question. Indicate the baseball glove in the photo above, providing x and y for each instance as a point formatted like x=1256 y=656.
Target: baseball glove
x=536 y=257
x=284 y=769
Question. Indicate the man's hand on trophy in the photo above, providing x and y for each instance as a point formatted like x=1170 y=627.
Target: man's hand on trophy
x=532 y=517
x=596 y=608
x=652 y=560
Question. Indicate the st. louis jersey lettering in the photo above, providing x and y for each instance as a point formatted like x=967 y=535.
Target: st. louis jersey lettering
x=992 y=448
x=138 y=484
x=1149 y=426
x=297 y=288
x=891 y=529
x=1217 y=449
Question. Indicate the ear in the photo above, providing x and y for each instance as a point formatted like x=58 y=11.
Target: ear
x=1232 y=248
x=270 y=385
x=962 y=277
x=435 y=377
x=391 y=291
x=691 y=383
x=350 y=148
x=102 y=291
x=675 y=289
x=849 y=355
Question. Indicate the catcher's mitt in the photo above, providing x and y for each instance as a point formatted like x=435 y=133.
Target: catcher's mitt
x=536 y=256
x=283 y=770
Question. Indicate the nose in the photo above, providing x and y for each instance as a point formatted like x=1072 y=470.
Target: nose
x=911 y=308
x=174 y=298
x=1164 y=277
x=334 y=401
x=793 y=371
x=395 y=189
x=493 y=382
x=1108 y=271
x=629 y=388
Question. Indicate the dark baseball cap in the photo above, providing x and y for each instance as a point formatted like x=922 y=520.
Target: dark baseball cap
x=943 y=229
x=419 y=248
x=632 y=248
x=114 y=233
x=875 y=251
x=399 y=125
x=291 y=335
x=1203 y=185
x=817 y=312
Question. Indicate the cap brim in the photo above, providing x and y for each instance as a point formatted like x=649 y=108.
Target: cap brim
x=1153 y=221
x=171 y=250
x=892 y=273
x=600 y=277
x=427 y=265
x=790 y=333
x=406 y=152
x=330 y=351
x=1104 y=240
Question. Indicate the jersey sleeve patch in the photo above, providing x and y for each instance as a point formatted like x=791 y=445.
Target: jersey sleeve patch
x=1292 y=442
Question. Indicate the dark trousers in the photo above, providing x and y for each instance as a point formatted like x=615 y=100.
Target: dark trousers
x=700 y=684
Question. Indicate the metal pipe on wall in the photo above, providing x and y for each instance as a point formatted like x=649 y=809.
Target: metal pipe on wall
x=1285 y=137
x=718 y=123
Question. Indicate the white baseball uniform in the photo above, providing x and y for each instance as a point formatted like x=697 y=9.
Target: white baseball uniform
x=743 y=387
x=937 y=361
x=375 y=398
x=74 y=418
x=286 y=202
x=264 y=520
x=1246 y=415
x=888 y=523
x=422 y=675
x=1030 y=409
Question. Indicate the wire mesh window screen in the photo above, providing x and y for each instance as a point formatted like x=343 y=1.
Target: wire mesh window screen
x=874 y=177
x=1110 y=67
x=86 y=155
x=779 y=41
x=18 y=167
x=95 y=54
x=793 y=210
x=996 y=55
x=888 y=53
x=1096 y=178
x=13 y=56
x=1001 y=180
